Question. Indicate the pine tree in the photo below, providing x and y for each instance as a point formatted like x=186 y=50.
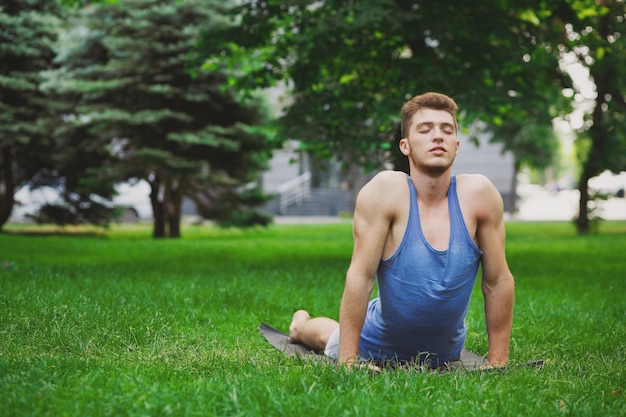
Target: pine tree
x=28 y=34
x=142 y=96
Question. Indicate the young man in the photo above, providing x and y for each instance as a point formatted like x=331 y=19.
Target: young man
x=422 y=236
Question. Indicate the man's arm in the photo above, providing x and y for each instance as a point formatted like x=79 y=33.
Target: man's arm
x=497 y=281
x=372 y=219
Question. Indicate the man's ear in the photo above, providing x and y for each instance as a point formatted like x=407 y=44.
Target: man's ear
x=404 y=146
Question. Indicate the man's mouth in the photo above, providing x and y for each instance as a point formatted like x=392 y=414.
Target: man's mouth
x=438 y=149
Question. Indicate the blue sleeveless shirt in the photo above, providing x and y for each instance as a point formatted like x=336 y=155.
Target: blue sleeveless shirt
x=423 y=294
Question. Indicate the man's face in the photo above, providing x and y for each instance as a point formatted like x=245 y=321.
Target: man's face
x=431 y=144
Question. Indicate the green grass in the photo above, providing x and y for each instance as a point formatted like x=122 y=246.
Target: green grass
x=115 y=323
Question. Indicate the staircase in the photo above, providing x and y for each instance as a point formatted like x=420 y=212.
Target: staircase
x=322 y=202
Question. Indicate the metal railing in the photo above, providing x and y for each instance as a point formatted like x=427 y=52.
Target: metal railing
x=294 y=191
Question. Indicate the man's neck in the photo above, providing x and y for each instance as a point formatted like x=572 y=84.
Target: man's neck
x=431 y=188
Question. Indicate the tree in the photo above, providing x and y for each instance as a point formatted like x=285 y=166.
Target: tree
x=595 y=37
x=29 y=29
x=353 y=64
x=142 y=97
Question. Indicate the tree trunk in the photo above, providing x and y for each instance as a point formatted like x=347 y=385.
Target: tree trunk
x=593 y=164
x=7 y=185
x=172 y=201
x=602 y=74
x=158 y=214
x=174 y=222
x=158 y=221
x=166 y=199
x=582 y=222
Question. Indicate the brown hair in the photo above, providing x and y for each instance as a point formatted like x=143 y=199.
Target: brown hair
x=434 y=101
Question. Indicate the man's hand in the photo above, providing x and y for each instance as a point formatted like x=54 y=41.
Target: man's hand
x=362 y=365
x=492 y=367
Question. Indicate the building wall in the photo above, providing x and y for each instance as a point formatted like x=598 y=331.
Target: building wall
x=487 y=159
x=286 y=164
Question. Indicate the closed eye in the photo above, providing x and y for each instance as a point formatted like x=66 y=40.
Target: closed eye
x=426 y=127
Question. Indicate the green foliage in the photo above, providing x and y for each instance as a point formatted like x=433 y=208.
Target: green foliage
x=534 y=145
x=74 y=213
x=117 y=324
x=29 y=29
x=142 y=98
x=353 y=64
x=80 y=3
x=245 y=219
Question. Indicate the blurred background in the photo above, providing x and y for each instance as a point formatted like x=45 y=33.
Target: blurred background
x=245 y=113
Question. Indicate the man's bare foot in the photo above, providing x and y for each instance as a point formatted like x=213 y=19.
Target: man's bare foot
x=298 y=317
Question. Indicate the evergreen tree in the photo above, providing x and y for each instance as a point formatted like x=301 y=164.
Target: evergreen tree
x=141 y=96
x=29 y=29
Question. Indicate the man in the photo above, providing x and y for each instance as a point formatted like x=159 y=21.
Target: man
x=422 y=236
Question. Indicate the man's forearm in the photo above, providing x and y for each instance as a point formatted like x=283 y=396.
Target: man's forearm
x=351 y=317
x=499 y=300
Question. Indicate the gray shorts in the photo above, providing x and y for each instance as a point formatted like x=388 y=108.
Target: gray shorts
x=332 y=348
x=332 y=351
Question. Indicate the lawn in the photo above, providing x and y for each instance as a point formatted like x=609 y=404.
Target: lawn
x=113 y=323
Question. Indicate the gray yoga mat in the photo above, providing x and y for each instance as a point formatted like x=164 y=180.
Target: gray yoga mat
x=280 y=340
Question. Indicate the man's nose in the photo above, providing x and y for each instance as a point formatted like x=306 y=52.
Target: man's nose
x=437 y=135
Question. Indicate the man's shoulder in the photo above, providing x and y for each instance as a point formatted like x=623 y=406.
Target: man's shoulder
x=476 y=190
x=383 y=186
x=380 y=201
x=474 y=183
x=386 y=181
x=388 y=177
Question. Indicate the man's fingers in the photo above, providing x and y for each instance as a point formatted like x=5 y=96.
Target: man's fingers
x=360 y=365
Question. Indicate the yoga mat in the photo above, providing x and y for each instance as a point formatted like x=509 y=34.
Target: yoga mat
x=280 y=340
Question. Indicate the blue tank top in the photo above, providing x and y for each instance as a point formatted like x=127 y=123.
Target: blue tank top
x=423 y=294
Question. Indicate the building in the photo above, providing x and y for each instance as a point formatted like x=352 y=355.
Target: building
x=301 y=190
